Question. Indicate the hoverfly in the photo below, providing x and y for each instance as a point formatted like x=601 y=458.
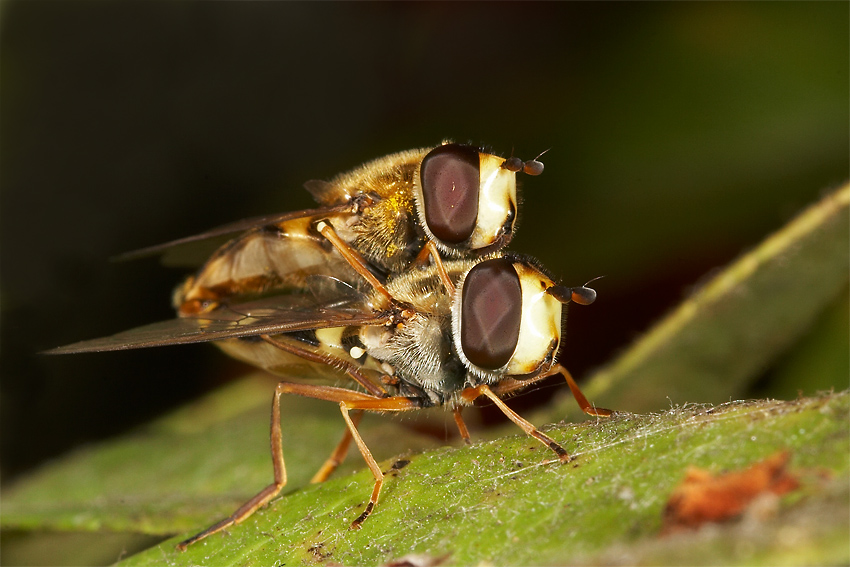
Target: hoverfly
x=411 y=343
x=453 y=199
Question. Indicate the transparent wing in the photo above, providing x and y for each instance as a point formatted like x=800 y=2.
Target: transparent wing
x=267 y=316
x=176 y=248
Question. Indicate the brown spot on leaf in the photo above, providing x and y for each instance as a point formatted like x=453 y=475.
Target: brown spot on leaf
x=702 y=497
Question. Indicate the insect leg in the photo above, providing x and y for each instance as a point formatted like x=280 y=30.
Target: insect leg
x=351 y=400
x=421 y=259
x=397 y=403
x=441 y=268
x=355 y=400
x=352 y=257
x=508 y=385
x=470 y=394
x=339 y=454
x=461 y=425
x=585 y=406
x=330 y=360
x=265 y=495
x=370 y=462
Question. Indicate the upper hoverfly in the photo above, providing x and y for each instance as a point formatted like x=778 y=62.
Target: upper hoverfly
x=456 y=200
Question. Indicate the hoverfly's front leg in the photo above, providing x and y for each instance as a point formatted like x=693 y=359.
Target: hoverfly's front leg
x=461 y=425
x=469 y=394
x=582 y=402
x=508 y=385
x=353 y=258
x=265 y=495
x=430 y=249
x=421 y=259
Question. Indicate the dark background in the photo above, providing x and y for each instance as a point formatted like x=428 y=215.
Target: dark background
x=680 y=134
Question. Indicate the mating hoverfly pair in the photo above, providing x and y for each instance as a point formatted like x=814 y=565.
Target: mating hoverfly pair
x=397 y=282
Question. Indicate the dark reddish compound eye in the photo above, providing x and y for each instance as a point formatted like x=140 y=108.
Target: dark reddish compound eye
x=491 y=310
x=450 y=180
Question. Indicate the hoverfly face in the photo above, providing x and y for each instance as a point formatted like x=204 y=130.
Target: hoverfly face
x=505 y=321
x=466 y=199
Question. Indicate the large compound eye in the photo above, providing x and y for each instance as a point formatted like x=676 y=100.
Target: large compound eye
x=491 y=311
x=450 y=179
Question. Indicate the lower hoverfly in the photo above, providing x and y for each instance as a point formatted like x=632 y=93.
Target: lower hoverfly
x=409 y=342
x=456 y=200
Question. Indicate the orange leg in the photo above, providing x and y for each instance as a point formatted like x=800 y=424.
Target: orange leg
x=509 y=385
x=585 y=406
x=461 y=425
x=352 y=257
x=397 y=403
x=339 y=454
x=348 y=400
x=265 y=495
x=421 y=260
x=470 y=394
x=441 y=268
x=370 y=462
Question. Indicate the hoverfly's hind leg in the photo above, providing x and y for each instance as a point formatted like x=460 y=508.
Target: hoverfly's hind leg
x=461 y=425
x=585 y=406
x=350 y=400
x=339 y=454
x=353 y=258
x=264 y=496
x=469 y=394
